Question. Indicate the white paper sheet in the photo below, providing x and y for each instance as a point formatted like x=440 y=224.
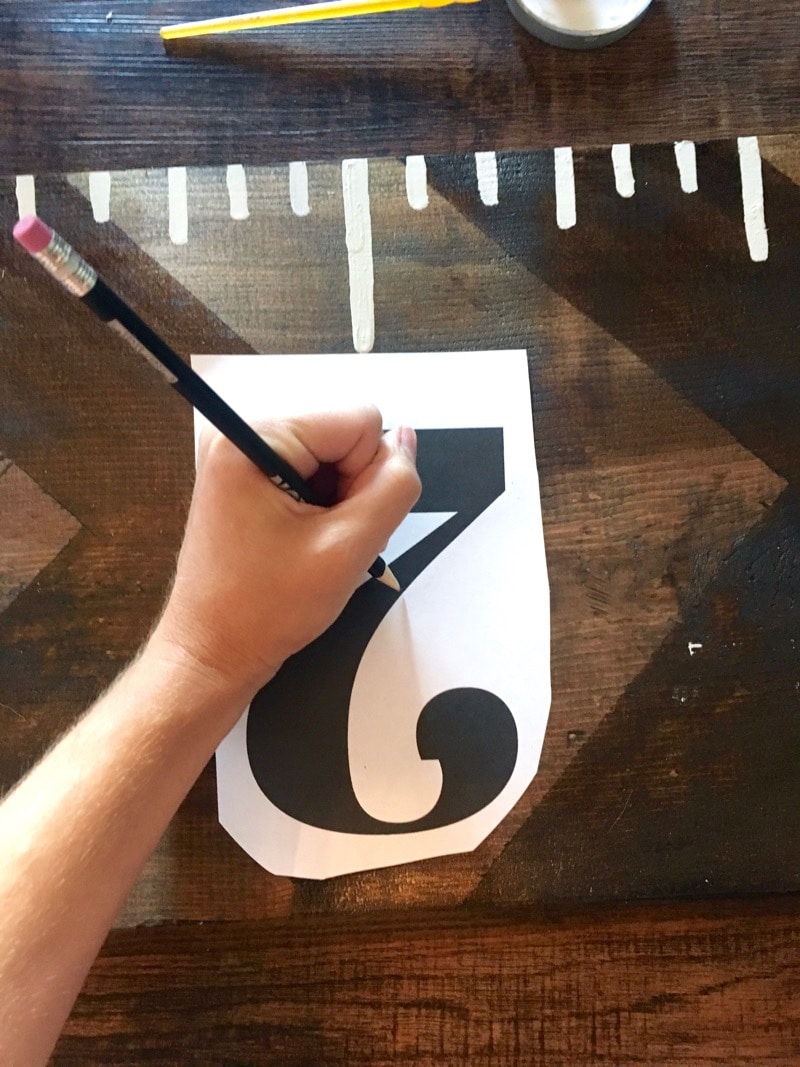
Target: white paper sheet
x=331 y=772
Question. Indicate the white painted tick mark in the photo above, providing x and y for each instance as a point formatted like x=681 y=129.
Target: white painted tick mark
x=417 y=182
x=236 y=180
x=565 y=188
x=358 y=237
x=623 y=171
x=486 y=169
x=26 y=195
x=178 y=206
x=686 y=158
x=100 y=195
x=298 y=189
x=753 y=198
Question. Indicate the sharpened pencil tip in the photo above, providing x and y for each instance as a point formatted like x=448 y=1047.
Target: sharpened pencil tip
x=389 y=579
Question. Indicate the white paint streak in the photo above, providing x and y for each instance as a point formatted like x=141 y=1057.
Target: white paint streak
x=237 y=192
x=100 y=195
x=694 y=646
x=417 y=182
x=566 y=216
x=26 y=195
x=298 y=188
x=178 y=206
x=358 y=236
x=686 y=158
x=486 y=168
x=623 y=171
x=753 y=198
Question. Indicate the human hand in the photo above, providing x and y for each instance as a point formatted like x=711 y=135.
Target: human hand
x=260 y=575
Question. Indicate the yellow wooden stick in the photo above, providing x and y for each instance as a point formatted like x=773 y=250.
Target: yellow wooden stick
x=290 y=16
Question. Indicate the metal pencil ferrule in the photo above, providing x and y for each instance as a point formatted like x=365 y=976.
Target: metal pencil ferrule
x=281 y=483
x=64 y=263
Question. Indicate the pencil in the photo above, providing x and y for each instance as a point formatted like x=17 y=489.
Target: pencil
x=83 y=281
x=291 y=16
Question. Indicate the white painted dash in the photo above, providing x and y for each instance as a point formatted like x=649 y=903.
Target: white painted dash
x=566 y=215
x=486 y=169
x=178 y=206
x=623 y=171
x=298 y=189
x=100 y=195
x=358 y=236
x=417 y=182
x=26 y=195
x=753 y=198
x=237 y=192
x=686 y=158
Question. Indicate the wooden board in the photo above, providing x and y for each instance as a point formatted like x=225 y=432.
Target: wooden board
x=90 y=85
x=664 y=388
x=700 y=985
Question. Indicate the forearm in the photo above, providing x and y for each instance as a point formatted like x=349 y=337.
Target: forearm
x=76 y=832
x=259 y=576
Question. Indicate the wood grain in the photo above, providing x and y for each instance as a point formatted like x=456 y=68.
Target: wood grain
x=649 y=484
x=663 y=375
x=662 y=985
x=98 y=432
x=83 y=91
x=33 y=530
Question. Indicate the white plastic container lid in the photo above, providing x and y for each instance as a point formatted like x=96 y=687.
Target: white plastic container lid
x=579 y=23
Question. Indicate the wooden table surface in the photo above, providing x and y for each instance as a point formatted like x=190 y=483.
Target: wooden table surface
x=666 y=405
x=90 y=85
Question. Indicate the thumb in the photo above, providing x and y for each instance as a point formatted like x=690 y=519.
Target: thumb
x=385 y=491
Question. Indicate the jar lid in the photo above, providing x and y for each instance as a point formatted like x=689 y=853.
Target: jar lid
x=579 y=23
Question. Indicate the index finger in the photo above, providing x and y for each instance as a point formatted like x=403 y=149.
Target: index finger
x=345 y=439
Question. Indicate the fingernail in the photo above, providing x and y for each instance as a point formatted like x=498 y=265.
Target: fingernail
x=407 y=439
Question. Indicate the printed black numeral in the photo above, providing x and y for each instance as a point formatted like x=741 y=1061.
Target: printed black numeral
x=297 y=730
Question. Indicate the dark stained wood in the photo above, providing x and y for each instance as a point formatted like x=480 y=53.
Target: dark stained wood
x=643 y=494
x=33 y=530
x=677 y=286
x=81 y=91
x=660 y=985
x=668 y=430
x=100 y=435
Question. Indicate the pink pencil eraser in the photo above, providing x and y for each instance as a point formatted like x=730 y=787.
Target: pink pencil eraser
x=33 y=234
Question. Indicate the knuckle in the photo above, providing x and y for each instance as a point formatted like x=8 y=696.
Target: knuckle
x=207 y=436
x=373 y=418
x=403 y=483
x=411 y=482
x=213 y=446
